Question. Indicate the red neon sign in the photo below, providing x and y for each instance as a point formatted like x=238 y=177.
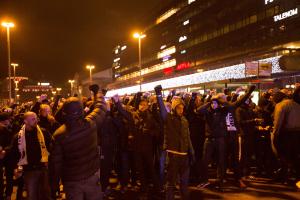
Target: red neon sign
x=182 y=66
x=168 y=71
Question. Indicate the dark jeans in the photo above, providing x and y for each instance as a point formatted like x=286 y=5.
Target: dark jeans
x=211 y=146
x=145 y=166
x=290 y=144
x=234 y=153
x=37 y=184
x=127 y=167
x=178 y=166
x=162 y=164
x=106 y=166
x=88 y=189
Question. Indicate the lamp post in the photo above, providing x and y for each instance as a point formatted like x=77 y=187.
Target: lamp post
x=58 y=90
x=90 y=67
x=140 y=36
x=71 y=83
x=16 y=83
x=8 y=25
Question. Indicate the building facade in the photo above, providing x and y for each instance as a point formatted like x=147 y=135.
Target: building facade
x=198 y=42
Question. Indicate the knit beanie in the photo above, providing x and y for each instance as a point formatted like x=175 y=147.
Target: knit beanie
x=176 y=101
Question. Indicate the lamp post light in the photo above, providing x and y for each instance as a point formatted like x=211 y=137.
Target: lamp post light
x=140 y=36
x=58 y=90
x=71 y=83
x=90 y=67
x=16 y=83
x=8 y=25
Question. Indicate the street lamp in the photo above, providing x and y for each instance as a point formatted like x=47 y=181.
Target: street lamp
x=8 y=25
x=58 y=90
x=71 y=82
x=90 y=67
x=140 y=36
x=16 y=84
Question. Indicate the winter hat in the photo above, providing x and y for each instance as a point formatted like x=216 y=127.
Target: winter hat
x=176 y=101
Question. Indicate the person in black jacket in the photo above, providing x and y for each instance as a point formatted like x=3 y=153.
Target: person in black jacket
x=145 y=130
x=197 y=129
x=107 y=141
x=215 y=113
x=75 y=157
x=5 y=140
x=178 y=145
x=247 y=122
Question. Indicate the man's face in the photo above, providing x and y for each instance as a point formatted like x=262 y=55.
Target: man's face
x=31 y=121
x=214 y=105
x=198 y=101
x=143 y=106
x=45 y=111
x=179 y=110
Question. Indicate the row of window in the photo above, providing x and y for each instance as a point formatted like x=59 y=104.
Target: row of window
x=231 y=27
x=270 y=12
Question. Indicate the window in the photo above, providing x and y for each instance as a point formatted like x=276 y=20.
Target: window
x=226 y=29
x=270 y=12
x=253 y=19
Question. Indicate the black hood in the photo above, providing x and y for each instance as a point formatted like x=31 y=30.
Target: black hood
x=72 y=110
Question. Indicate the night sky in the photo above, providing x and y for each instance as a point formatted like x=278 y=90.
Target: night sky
x=53 y=39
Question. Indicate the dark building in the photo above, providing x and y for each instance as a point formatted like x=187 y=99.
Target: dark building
x=197 y=42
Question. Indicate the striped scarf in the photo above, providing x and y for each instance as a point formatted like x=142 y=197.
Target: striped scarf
x=22 y=146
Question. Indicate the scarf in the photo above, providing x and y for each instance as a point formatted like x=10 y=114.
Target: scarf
x=22 y=146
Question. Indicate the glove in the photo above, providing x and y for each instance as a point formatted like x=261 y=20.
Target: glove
x=158 y=90
x=94 y=88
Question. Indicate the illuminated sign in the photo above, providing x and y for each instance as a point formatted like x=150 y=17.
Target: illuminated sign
x=268 y=1
x=168 y=71
x=285 y=15
x=183 y=66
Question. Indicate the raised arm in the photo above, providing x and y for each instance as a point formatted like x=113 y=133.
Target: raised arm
x=162 y=108
x=97 y=115
x=242 y=100
x=125 y=113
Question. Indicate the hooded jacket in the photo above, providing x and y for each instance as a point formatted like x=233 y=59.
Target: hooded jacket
x=176 y=130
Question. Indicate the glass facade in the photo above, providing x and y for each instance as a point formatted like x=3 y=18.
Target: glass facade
x=207 y=35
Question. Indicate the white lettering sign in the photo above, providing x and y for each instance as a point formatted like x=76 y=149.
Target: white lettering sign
x=268 y=1
x=285 y=15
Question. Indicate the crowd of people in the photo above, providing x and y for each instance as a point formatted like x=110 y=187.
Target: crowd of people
x=149 y=141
